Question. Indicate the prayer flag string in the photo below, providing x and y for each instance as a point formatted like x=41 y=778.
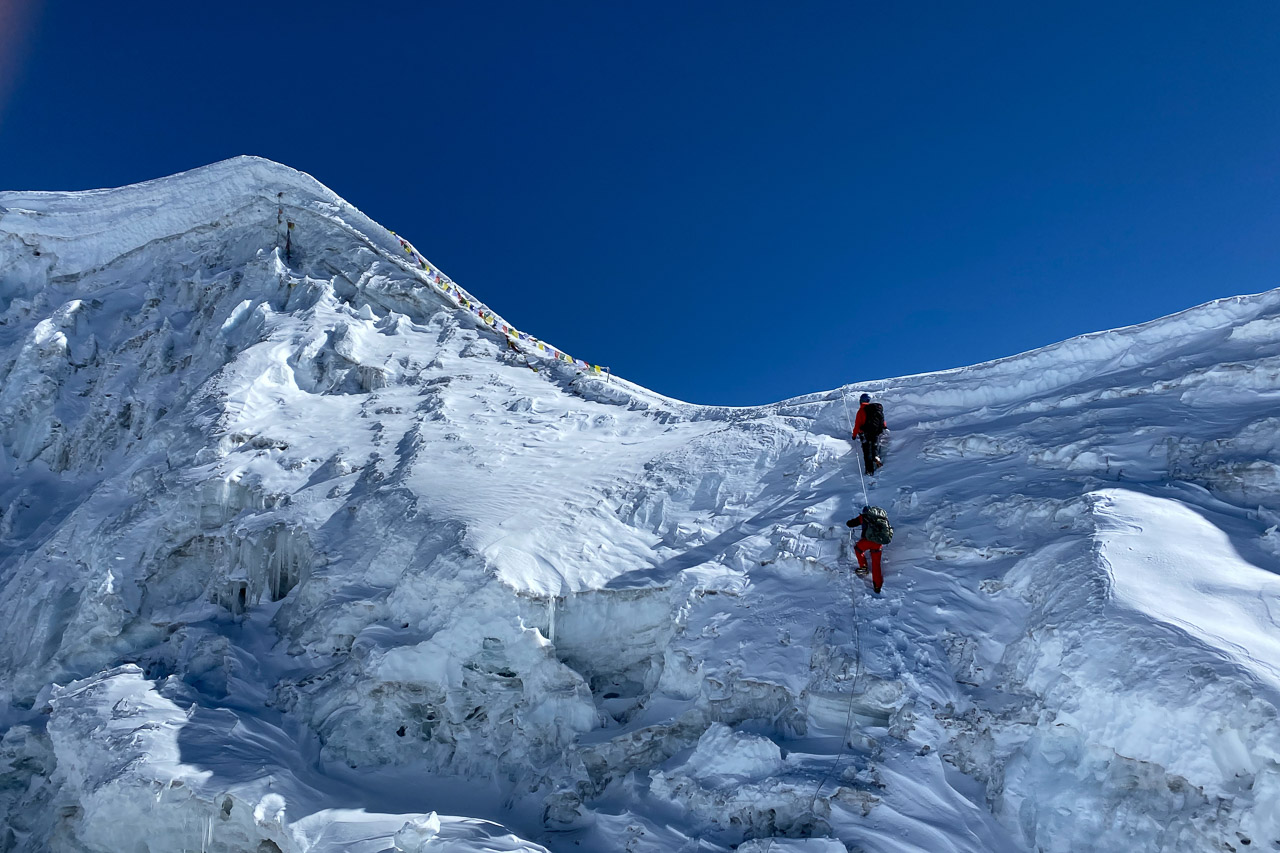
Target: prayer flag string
x=461 y=299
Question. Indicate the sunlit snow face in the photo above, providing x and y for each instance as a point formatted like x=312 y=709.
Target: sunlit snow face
x=16 y=19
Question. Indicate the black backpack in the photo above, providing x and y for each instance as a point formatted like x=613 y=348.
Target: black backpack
x=875 y=526
x=873 y=419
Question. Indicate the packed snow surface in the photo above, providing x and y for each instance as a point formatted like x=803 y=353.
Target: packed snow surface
x=304 y=548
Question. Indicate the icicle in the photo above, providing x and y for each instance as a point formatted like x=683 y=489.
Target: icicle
x=551 y=618
x=273 y=569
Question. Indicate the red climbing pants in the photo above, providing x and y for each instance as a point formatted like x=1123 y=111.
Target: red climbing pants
x=861 y=549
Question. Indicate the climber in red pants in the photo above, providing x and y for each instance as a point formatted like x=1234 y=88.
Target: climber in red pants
x=876 y=533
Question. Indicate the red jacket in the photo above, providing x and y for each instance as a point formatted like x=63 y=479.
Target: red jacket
x=862 y=416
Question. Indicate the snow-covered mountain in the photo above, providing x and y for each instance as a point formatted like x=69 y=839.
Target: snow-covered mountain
x=301 y=552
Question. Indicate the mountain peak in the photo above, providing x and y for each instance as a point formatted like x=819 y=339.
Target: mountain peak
x=77 y=231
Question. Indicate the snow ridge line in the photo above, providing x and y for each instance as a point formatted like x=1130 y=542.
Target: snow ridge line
x=460 y=298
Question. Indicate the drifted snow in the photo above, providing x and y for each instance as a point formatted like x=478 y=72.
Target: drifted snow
x=1175 y=566
x=297 y=556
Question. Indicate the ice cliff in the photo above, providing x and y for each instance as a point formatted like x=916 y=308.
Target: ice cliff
x=297 y=555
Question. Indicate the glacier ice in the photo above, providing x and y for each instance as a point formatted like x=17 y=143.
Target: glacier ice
x=297 y=555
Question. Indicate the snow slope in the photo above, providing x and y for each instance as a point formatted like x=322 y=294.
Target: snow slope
x=298 y=554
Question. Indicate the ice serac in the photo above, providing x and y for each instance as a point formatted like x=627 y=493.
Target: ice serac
x=296 y=555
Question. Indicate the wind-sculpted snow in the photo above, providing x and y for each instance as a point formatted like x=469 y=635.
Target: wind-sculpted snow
x=298 y=556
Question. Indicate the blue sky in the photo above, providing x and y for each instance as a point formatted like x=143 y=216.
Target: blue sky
x=728 y=202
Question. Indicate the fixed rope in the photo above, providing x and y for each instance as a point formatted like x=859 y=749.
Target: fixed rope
x=866 y=501
x=857 y=649
x=856 y=631
x=853 y=691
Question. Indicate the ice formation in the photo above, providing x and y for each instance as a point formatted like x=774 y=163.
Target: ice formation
x=298 y=555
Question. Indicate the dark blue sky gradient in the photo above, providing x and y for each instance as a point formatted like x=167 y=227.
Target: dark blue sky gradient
x=728 y=202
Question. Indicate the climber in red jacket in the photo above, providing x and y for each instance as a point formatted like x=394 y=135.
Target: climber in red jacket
x=868 y=425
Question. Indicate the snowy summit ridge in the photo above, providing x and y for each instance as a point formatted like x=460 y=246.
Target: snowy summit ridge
x=299 y=555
